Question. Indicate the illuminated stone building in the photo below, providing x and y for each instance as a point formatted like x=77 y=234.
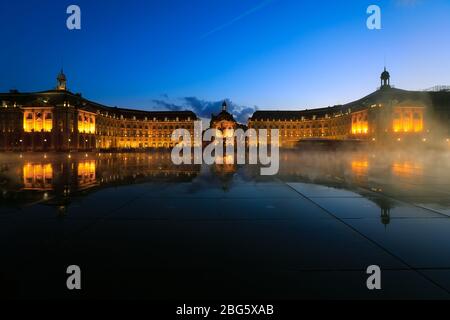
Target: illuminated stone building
x=59 y=120
x=388 y=115
x=224 y=121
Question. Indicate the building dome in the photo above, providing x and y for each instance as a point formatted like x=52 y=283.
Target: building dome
x=224 y=118
x=61 y=76
x=61 y=81
x=385 y=75
x=385 y=79
x=224 y=115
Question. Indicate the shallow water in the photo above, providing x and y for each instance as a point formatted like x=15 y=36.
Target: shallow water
x=139 y=226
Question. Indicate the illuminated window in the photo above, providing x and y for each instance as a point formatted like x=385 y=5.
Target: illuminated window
x=408 y=120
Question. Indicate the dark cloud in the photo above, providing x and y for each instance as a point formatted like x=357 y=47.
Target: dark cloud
x=168 y=105
x=204 y=108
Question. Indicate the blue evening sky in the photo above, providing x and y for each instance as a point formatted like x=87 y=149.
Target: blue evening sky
x=286 y=54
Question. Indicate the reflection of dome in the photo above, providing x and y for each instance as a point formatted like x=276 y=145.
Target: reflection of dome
x=385 y=216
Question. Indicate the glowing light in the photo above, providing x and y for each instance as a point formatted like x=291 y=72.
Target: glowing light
x=360 y=167
x=407 y=169
x=408 y=119
x=86 y=172
x=38 y=121
x=37 y=176
x=360 y=124
x=86 y=122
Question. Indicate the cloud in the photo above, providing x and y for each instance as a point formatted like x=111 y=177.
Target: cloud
x=241 y=16
x=204 y=108
x=168 y=105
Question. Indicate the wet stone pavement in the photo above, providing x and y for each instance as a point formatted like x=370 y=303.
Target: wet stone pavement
x=140 y=227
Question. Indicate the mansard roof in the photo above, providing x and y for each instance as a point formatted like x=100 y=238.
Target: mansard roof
x=438 y=100
x=58 y=98
x=223 y=115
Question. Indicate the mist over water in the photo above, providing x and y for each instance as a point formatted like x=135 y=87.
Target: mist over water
x=410 y=174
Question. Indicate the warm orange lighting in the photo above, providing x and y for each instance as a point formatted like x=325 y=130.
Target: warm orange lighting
x=360 y=124
x=86 y=122
x=86 y=172
x=38 y=176
x=38 y=120
x=408 y=119
x=360 y=167
x=407 y=169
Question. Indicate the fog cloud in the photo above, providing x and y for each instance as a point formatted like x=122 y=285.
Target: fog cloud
x=204 y=108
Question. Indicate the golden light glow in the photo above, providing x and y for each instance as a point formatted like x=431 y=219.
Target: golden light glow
x=407 y=169
x=38 y=120
x=37 y=176
x=86 y=122
x=360 y=123
x=86 y=172
x=407 y=119
x=360 y=167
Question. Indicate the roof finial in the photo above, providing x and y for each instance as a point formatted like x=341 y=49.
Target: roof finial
x=61 y=81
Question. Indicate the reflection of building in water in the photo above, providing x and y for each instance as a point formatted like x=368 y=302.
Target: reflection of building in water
x=61 y=120
x=224 y=169
x=385 y=205
x=38 y=176
x=86 y=173
x=360 y=167
x=44 y=176
x=407 y=169
x=388 y=115
x=75 y=174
